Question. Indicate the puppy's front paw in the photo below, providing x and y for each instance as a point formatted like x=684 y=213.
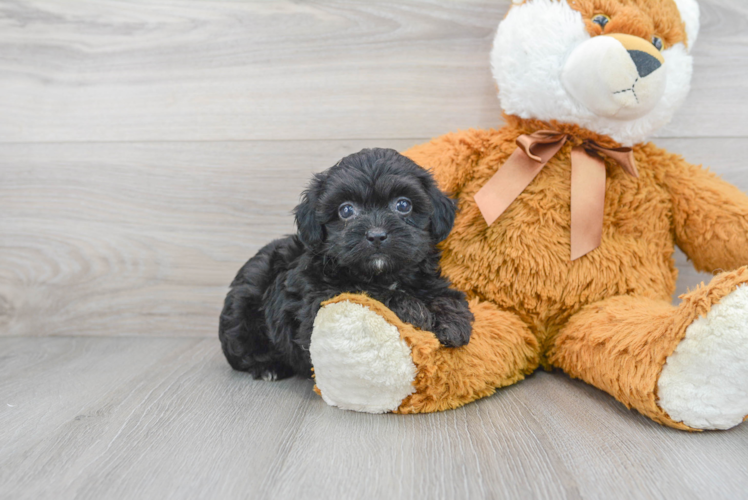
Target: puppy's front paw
x=411 y=310
x=453 y=335
x=453 y=321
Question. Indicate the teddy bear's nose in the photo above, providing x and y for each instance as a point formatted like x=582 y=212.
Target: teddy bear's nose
x=645 y=56
x=645 y=63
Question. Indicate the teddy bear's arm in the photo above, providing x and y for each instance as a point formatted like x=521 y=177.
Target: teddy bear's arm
x=450 y=158
x=710 y=217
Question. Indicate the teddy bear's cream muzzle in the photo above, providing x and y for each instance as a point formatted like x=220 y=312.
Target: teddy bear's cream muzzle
x=616 y=76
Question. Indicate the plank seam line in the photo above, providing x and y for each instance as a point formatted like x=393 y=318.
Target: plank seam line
x=334 y=139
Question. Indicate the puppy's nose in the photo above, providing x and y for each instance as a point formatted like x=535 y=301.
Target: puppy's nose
x=376 y=235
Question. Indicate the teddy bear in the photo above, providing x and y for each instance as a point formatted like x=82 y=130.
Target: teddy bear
x=564 y=240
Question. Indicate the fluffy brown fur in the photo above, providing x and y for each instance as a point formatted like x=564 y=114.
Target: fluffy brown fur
x=642 y=18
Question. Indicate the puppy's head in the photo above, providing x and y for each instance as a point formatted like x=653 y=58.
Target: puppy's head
x=375 y=211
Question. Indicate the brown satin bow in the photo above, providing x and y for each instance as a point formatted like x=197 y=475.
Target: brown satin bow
x=587 y=183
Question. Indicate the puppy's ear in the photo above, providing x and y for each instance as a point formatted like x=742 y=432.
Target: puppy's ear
x=443 y=214
x=310 y=230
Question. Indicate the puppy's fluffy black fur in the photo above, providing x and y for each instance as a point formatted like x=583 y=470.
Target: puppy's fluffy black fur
x=369 y=224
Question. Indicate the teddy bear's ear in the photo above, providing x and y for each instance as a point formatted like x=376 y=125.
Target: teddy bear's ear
x=310 y=230
x=689 y=13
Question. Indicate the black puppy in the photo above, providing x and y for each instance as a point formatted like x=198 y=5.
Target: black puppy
x=369 y=224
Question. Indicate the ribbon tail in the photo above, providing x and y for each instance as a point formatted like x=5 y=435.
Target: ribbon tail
x=506 y=185
x=513 y=177
x=587 y=202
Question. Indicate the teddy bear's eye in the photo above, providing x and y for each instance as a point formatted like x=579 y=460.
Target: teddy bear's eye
x=657 y=42
x=601 y=19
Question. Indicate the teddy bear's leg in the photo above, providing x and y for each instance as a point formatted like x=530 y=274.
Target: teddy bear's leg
x=685 y=366
x=366 y=359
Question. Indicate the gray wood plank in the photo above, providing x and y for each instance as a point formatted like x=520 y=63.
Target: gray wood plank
x=185 y=70
x=235 y=70
x=615 y=452
x=186 y=426
x=50 y=382
x=717 y=103
x=143 y=239
x=494 y=449
x=166 y=418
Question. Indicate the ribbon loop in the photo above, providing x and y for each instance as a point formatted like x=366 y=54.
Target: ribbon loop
x=534 y=145
x=533 y=152
x=623 y=156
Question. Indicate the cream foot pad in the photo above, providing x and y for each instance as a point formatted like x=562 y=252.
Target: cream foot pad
x=704 y=383
x=360 y=361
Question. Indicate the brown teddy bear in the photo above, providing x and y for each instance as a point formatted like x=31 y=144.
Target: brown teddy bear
x=565 y=235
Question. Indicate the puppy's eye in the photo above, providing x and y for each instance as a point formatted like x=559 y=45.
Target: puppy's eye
x=657 y=42
x=403 y=205
x=601 y=20
x=346 y=211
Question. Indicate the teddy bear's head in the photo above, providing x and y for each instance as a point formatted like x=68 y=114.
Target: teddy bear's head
x=616 y=67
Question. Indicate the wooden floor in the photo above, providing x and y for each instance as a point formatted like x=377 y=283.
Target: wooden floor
x=147 y=149
x=89 y=417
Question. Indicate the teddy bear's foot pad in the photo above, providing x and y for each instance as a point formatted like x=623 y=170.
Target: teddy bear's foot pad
x=704 y=383
x=360 y=361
